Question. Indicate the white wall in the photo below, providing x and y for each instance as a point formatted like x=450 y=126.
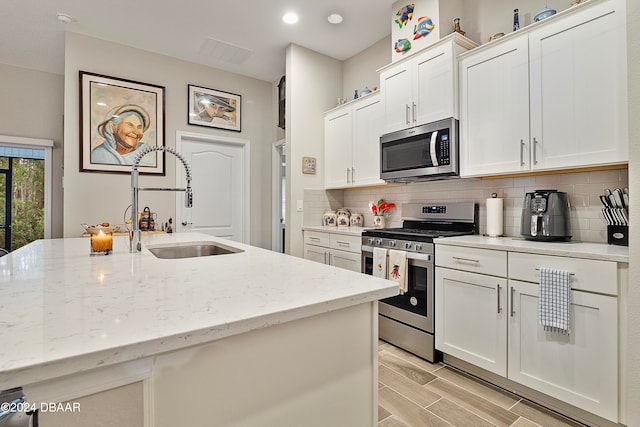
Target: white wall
x=314 y=82
x=97 y=197
x=633 y=306
x=481 y=19
x=31 y=106
x=360 y=70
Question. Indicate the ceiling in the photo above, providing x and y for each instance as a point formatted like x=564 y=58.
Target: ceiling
x=246 y=37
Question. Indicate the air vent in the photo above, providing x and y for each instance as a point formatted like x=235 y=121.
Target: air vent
x=218 y=49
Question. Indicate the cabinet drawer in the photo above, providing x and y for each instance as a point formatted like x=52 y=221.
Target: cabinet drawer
x=346 y=243
x=316 y=238
x=485 y=261
x=587 y=274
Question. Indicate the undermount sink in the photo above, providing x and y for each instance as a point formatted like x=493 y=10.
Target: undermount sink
x=191 y=250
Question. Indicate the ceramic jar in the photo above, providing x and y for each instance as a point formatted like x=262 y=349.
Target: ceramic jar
x=329 y=219
x=343 y=216
x=379 y=221
x=357 y=220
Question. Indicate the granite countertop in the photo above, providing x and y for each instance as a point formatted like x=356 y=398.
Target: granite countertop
x=350 y=231
x=574 y=249
x=63 y=311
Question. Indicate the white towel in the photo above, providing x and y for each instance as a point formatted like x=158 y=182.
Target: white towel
x=380 y=262
x=398 y=269
x=555 y=300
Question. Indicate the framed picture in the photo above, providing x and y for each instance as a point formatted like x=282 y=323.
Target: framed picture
x=309 y=165
x=214 y=108
x=118 y=119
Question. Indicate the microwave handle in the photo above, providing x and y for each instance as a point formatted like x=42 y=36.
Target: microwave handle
x=432 y=148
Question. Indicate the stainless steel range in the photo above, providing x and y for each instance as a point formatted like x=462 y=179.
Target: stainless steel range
x=407 y=320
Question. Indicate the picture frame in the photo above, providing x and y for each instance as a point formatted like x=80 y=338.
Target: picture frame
x=309 y=165
x=118 y=118
x=214 y=108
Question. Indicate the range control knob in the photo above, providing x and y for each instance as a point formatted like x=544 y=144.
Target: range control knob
x=370 y=241
x=418 y=246
x=392 y=243
x=407 y=245
x=379 y=242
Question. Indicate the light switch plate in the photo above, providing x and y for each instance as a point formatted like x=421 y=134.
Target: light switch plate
x=299 y=205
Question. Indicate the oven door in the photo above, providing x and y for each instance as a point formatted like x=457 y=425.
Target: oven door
x=415 y=307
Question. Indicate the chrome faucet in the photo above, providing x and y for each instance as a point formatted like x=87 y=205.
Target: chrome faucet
x=135 y=244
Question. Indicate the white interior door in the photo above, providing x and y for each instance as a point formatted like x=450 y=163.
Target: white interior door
x=220 y=183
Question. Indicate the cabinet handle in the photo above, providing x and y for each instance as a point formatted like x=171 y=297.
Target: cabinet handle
x=513 y=291
x=353 y=175
x=314 y=239
x=521 y=152
x=466 y=259
x=498 y=294
x=348 y=176
x=413 y=110
x=535 y=157
x=330 y=260
x=340 y=243
x=406 y=114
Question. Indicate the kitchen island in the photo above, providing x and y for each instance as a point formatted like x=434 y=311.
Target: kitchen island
x=250 y=338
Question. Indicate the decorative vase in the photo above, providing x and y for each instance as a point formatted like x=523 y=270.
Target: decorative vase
x=357 y=220
x=379 y=221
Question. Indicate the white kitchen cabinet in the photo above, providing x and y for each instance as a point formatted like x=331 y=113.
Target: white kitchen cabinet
x=352 y=139
x=423 y=88
x=339 y=250
x=471 y=318
x=551 y=96
x=580 y=368
x=578 y=88
x=494 y=110
x=487 y=315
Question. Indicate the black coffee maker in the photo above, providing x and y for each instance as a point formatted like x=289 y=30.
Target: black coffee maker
x=546 y=216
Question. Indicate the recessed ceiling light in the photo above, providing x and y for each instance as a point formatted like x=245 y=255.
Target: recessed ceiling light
x=335 y=18
x=63 y=17
x=290 y=18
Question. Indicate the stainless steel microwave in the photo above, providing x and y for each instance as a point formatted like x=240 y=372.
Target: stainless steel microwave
x=420 y=153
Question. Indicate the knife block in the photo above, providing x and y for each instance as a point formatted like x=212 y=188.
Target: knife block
x=618 y=235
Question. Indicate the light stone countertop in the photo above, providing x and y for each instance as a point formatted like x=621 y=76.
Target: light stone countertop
x=574 y=249
x=350 y=231
x=63 y=311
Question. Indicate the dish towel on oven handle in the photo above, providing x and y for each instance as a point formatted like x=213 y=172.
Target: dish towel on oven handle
x=554 y=307
x=397 y=270
x=380 y=262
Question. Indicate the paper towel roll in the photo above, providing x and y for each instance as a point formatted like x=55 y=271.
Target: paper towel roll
x=494 y=217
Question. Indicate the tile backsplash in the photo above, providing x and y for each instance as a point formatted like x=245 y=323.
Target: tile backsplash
x=583 y=188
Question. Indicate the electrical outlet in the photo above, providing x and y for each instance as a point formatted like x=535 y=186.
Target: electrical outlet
x=299 y=205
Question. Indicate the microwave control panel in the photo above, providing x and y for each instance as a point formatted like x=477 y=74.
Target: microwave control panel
x=444 y=155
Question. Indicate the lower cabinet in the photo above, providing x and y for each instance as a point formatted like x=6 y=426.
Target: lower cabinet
x=339 y=250
x=491 y=321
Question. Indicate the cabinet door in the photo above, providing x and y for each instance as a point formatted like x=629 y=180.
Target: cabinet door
x=338 y=135
x=580 y=368
x=368 y=122
x=471 y=319
x=433 y=85
x=494 y=110
x=578 y=89
x=348 y=260
x=395 y=87
x=316 y=253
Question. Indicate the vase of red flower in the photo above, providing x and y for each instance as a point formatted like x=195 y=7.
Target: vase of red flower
x=379 y=210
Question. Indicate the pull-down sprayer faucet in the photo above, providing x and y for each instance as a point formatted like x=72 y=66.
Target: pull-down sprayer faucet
x=135 y=244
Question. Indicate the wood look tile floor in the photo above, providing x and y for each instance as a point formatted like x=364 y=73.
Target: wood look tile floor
x=413 y=392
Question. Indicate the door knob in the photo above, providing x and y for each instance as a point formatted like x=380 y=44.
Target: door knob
x=185 y=223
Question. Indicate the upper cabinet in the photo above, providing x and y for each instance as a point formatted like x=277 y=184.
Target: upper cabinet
x=549 y=97
x=423 y=88
x=352 y=143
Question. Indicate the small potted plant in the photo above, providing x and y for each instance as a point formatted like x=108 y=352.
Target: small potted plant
x=379 y=210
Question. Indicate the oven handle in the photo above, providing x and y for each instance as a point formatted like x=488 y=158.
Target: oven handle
x=410 y=255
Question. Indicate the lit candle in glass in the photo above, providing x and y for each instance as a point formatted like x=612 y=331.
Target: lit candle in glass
x=101 y=243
